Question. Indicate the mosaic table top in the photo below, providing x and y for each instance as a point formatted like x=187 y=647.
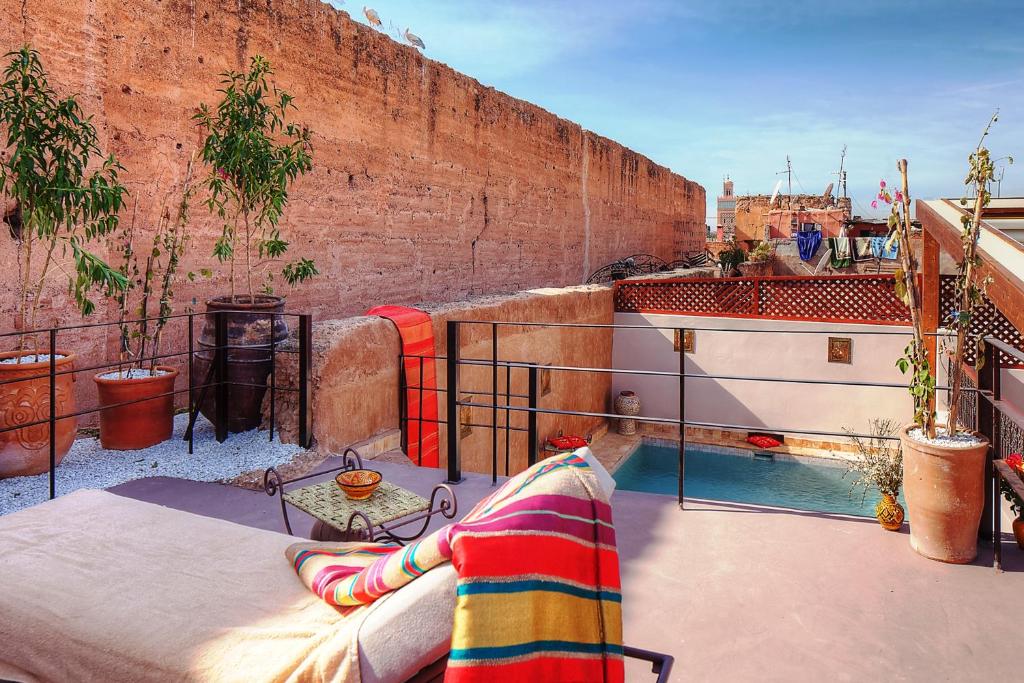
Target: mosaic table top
x=328 y=503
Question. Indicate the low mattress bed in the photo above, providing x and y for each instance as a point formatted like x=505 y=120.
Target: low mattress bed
x=98 y=587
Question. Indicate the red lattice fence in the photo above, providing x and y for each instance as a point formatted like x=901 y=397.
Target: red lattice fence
x=860 y=299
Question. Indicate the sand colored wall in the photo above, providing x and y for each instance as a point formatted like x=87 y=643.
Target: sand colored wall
x=356 y=377
x=427 y=185
x=764 y=354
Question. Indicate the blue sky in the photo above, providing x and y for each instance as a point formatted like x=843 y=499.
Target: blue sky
x=719 y=87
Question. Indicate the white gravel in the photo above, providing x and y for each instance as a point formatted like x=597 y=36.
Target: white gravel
x=958 y=440
x=133 y=373
x=89 y=466
x=39 y=358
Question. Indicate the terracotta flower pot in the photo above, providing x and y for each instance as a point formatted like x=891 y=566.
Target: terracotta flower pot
x=248 y=361
x=1018 y=531
x=27 y=450
x=137 y=425
x=945 y=491
x=889 y=513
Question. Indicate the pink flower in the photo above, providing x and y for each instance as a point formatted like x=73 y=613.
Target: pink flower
x=222 y=173
x=874 y=204
x=899 y=196
x=881 y=184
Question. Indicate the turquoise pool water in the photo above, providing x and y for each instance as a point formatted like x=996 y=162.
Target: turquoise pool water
x=742 y=478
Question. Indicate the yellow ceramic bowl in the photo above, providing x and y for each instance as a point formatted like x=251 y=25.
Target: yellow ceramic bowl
x=359 y=484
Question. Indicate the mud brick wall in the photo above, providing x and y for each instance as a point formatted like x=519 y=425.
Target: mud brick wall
x=427 y=185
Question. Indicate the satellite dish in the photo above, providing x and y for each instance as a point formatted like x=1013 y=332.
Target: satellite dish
x=775 y=193
x=828 y=191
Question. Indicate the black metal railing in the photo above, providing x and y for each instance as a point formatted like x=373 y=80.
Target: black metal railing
x=215 y=380
x=1003 y=425
x=454 y=402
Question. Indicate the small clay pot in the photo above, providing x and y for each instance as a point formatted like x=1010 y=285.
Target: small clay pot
x=889 y=513
x=137 y=425
x=1018 y=531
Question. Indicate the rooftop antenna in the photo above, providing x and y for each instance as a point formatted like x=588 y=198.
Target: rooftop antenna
x=1002 y=171
x=841 y=174
x=789 y=178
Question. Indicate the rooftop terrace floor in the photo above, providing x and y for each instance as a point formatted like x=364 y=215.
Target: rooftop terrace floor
x=743 y=593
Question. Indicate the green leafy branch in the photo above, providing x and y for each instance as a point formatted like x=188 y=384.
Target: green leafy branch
x=254 y=155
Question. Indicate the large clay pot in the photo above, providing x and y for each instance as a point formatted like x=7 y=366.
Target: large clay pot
x=627 y=403
x=137 y=425
x=27 y=450
x=945 y=491
x=249 y=329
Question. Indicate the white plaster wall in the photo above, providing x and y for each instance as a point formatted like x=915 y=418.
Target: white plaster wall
x=782 y=354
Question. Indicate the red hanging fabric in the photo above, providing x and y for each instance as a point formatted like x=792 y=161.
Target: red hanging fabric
x=417 y=333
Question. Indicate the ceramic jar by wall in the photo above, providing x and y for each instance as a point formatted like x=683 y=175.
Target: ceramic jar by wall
x=627 y=403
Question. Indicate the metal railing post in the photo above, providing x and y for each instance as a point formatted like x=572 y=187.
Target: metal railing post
x=305 y=370
x=988 y=394
x=53 y=412
x=220 y=360
x=273 y=377
x=191 y=384
x=403 y=428
x=682 y=414
x=452 y=398
x=531 y=424
x=419 y=415
x=494 y=403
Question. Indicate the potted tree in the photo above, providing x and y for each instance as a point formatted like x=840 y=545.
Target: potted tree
x=144 y=386
x=253 y=155
x=943 y=467
x=49 y=147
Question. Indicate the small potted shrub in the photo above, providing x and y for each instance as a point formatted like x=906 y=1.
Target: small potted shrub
x=253 y=155
x=730 y=258
x=49 y=145
x=139 y=378
x=1016 y=463
x=943 y=467
x=878 y=465
x=759 y=261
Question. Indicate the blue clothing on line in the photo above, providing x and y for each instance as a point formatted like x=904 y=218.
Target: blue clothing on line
x=807 y=243
x=879 y=250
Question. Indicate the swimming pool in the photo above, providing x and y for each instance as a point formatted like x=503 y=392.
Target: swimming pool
x=739 y=477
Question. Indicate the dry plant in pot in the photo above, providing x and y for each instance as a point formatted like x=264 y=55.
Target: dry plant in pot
x=138 y=395
x=878 y=465
x=60 y=205
x=253 y=155
x=943 y=467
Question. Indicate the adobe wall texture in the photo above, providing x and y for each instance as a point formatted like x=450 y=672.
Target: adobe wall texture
x=356 y=374
x=427 y=185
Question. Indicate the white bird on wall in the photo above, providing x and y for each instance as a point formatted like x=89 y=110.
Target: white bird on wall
x=414 y=40
x=371 y=15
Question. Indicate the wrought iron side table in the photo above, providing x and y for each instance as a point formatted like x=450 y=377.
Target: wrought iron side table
x=378 y=518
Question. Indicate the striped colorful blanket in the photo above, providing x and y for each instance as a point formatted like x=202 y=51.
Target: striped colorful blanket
x=538 y=589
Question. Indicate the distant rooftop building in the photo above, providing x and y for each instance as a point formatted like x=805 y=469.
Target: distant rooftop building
x=757 y=218
x=726 y=211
